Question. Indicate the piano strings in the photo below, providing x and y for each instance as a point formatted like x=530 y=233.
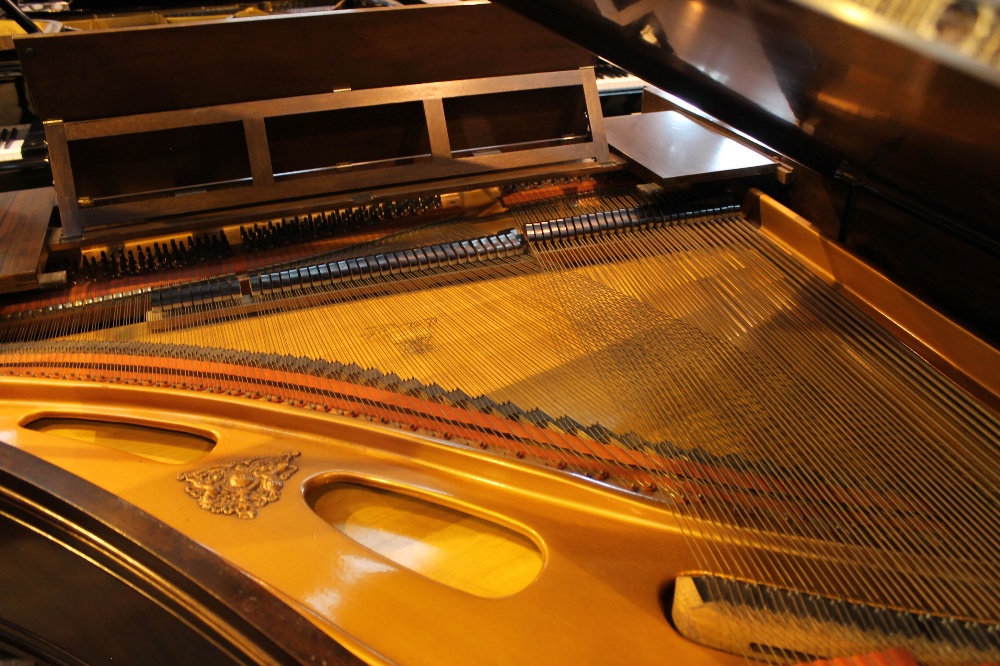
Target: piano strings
x=655 y=344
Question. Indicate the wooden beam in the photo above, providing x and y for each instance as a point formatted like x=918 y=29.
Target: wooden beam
x=260 y=154
x=597 y=132
x=91 y=129
x=62 y=176
x=437 y=128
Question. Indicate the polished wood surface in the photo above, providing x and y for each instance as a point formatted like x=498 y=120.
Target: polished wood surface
x=24 y=223
x=88 y=578
x=409 y=548
x=607 y=554
x=135 y=167
x=318 y=53
x=666 y=147
x=966 y=358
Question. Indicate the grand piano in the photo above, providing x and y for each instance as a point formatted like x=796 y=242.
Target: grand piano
x=365 y=337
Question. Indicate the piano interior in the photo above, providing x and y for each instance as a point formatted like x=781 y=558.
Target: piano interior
x=338 y=340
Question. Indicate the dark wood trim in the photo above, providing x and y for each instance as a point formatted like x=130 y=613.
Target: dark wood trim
x=597 y=131
x=258 y=150
x=271 y=108
x=226 y=62
x=269 y=210
x=437 y=128
x=78 y=216
x=186 y=580
x=62 y=176
x=24 y=221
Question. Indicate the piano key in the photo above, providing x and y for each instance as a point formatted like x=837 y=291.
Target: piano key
x=611 y=79
x=12 y=142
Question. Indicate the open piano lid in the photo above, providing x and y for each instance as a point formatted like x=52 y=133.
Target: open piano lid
x=836 y=87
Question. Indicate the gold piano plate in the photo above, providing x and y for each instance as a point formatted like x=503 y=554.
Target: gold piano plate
x=445 y=544
x=580 y=608
x=163 y=445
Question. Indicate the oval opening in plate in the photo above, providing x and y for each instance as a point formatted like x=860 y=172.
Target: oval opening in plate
x=159 y=444
x=444 y=544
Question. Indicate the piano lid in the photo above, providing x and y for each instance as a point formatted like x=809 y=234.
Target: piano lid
x=903 y=104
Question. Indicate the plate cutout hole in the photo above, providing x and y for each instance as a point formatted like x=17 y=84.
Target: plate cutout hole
x=159 y=444
x=444 y=544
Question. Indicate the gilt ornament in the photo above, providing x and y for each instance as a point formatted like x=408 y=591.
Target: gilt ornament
x=240 y=488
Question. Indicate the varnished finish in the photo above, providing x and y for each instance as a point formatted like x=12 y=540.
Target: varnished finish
x=24 y=222
x=607 y=554
x=437 y=128
x=966 y=358
x=89 y=578
x=145 y=203
x=784 y=434
x=668 y=148
x=62 y=173
x=318 y=53
x=905 y=125
x=260 y=156
x=585 y=532
x=447 y=545
x=162 y=445
x=190 y=117
x=597 y=123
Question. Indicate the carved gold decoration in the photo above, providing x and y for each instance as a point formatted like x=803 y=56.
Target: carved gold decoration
x=241 y=487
